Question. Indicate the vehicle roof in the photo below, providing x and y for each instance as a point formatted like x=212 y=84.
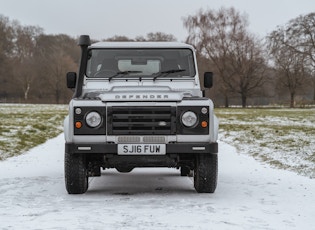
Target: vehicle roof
x=141 y=45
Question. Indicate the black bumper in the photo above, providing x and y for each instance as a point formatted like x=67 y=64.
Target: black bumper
x=176 y=148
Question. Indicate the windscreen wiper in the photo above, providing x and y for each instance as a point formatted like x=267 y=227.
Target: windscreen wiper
x=165 y=73
x=122 y=73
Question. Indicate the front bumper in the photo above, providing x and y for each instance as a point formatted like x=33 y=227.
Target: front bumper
x=174 y=148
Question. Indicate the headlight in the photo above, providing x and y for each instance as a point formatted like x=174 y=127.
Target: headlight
x=93 y=119
x=189 y=119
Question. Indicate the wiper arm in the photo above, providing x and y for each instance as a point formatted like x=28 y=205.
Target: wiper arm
x=165 y=73
x=122 y=73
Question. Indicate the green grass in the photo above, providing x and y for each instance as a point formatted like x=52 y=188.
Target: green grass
x=23 y=126
x=284 y=138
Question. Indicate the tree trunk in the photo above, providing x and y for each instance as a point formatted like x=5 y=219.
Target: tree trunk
x=244 y=98
x=292 y=102
x=57 y=96
x=26 y=91
x=226 y=101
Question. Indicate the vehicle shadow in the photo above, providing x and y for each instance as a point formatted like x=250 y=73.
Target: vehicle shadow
x=141 y=181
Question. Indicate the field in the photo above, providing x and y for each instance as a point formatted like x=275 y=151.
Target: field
x=23 y=126
x=284 y=138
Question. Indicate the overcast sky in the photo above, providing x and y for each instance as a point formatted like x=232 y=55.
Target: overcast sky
x=106 y=18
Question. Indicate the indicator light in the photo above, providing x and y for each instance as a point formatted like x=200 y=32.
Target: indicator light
x=204 y=124
x=78 y=124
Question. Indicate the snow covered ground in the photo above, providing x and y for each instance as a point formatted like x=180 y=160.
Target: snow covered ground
x=284 y=138
x=250 y=195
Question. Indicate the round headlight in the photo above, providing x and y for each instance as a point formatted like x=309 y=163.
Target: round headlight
x=93 y=119
x=189 y=119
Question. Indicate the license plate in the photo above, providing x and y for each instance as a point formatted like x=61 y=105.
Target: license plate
x=141 y=149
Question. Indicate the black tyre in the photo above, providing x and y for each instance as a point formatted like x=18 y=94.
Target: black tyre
x=75 y=174
x=206 y=173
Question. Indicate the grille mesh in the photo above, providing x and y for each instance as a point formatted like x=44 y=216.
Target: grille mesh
x=141 y=120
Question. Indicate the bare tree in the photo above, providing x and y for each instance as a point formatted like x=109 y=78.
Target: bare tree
x=289 y=66
x=157 y=37
x=58 y=65
x=33 y=65
x=247 y=66
x=56 y=61
x=298 y=35
x=6 y=38
x=119 y=38
x=6 y=45
x=221 y=37
x=160 y=37
x=23 y=56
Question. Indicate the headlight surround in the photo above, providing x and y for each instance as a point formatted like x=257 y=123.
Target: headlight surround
x=189 y=119
x=93 y=119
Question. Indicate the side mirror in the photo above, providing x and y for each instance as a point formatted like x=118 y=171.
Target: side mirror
x=208 y=80
x=71 y=80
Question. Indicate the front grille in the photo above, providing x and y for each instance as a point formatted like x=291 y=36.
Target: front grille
x=141 y=120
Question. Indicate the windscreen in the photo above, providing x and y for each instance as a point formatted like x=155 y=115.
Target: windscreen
x=144 y=63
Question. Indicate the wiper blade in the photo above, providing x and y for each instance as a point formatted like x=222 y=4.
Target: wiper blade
x=122 y=73
x=165 y=73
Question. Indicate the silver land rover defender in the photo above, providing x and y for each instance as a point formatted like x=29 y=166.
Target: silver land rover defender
x=139 y=104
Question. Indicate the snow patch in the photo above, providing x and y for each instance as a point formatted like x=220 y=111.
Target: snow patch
x=249 y=196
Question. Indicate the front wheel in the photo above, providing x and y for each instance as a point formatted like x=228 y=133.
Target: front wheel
x=206 y=173
x=76 y=178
